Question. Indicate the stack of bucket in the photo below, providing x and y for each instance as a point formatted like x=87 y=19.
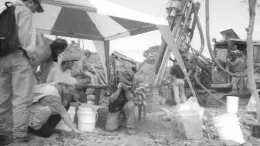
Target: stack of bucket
x=227 y=125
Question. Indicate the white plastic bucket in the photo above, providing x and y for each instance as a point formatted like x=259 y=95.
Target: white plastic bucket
x=232 y=104
x=62 y=125
x=87 y=118
x=228 y=128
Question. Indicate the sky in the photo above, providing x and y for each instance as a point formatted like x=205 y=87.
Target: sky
x=223 y=15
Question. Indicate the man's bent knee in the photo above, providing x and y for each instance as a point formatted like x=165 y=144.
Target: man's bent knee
x=130 y=105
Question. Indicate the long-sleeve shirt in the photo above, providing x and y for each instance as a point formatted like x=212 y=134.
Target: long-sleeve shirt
x=25 y=24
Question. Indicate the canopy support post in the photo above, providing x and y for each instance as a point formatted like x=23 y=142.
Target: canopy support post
x=107 y=50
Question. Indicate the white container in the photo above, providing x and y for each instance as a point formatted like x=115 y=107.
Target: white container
x=87 y=118
x=228 y=128
x=232 y=104
x=62 y=125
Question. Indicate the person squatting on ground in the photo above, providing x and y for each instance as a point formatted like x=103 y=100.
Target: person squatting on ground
x=239 y=68
x=16 y=75
x=121 y=107
x=177 y=82
x=50 y=105
x=57 y=47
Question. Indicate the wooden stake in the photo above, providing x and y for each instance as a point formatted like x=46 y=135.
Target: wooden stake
x=250 y=56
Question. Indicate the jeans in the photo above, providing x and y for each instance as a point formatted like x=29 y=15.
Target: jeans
x=238 y=83
x=178 y=88
x=16 y=84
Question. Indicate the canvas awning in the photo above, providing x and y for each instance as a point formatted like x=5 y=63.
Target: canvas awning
x=78 y=19
x=79 y=23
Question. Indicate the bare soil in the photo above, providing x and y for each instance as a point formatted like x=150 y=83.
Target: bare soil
x=154 y=131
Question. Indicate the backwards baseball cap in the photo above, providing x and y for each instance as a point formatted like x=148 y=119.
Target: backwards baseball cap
x=39 y=8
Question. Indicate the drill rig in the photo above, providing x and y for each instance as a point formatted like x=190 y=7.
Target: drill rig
x=182 y=19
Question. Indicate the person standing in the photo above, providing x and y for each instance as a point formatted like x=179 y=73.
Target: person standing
x=16 y=75
x=57 y=47
x=239 y=68
x=177 y=80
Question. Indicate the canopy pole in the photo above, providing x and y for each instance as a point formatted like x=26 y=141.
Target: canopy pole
x=107 y=50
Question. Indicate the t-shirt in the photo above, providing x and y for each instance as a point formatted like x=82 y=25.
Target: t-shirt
x=57 y=75
x=238 y=65
x=177 y=72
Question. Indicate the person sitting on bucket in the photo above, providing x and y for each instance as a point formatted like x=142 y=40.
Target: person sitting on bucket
x=121 y=107
x=50 y=104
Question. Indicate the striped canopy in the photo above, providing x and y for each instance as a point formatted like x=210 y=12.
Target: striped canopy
x=69 y=20
x=75 y=4
x=78 y=19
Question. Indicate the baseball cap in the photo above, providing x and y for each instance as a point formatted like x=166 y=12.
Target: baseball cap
x=39 y=8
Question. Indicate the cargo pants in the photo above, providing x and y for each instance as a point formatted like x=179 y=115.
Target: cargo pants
x=16 y=83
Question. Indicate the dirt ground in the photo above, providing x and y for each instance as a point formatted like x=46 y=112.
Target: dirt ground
x=156 y=130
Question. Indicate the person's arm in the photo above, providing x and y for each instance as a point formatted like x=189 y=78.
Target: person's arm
x=113 y=97
x=51 y=76
x=26 y=29
x=66 y=118
x=54 y=103
x=237 y=61
x=123 y=79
